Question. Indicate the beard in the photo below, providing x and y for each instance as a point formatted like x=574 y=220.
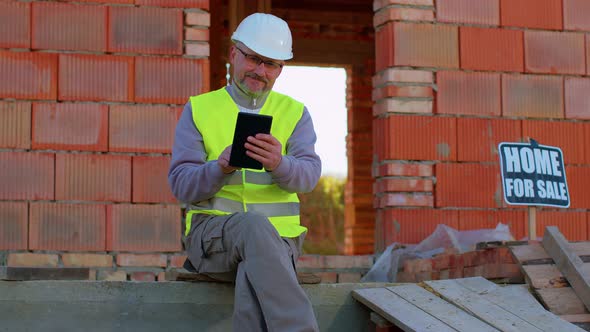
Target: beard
x=244 y=86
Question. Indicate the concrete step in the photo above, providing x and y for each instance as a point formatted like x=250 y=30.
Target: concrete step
x=90 y=306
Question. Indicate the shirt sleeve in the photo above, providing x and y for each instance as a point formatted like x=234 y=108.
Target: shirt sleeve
x=299 y=170
x=191 y=177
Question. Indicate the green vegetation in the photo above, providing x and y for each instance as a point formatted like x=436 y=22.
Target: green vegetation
x=322 y=212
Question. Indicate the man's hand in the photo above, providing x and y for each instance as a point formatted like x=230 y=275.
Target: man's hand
x=266 y=149
x=223 y=161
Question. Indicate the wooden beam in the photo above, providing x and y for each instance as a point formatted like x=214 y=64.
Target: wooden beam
x=332 y=52
x=570 y=265
x=324 y=17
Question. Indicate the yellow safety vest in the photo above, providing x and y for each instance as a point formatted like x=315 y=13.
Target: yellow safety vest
x=215 y=115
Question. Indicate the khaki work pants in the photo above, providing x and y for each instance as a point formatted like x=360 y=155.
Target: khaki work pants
x=247 y=249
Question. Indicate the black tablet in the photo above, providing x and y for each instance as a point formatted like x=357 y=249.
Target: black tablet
x=248 y=124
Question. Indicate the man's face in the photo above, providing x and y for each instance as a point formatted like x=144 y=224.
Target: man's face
x=252 y=73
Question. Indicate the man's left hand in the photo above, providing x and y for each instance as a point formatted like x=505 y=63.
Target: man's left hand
x=266 y=149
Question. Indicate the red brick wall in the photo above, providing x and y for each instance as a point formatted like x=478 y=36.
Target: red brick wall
x=89 y=98
x=455 y=78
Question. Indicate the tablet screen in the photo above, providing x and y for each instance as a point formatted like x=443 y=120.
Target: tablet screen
x=247 y=124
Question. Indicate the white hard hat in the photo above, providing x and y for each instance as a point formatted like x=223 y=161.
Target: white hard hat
x=266 y=35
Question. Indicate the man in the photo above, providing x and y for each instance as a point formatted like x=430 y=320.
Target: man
x=243 y=225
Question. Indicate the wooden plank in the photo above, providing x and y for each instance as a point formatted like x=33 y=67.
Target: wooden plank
x=441 y=309
x=561 y=301
x=544 y=276
x=570 y=265
x=524 y=292
x=580 y=318
x=491 y=313
x=535 y=253
x=398 y=311
x=518 y=304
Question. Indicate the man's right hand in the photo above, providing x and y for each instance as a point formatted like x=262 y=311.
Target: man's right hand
x=223 y=161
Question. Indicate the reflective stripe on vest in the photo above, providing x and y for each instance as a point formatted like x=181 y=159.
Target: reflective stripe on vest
x=214 y=114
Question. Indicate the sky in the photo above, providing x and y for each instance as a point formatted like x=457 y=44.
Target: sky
x=323 y=91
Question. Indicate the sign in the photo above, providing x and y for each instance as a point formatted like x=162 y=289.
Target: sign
x=533 y=174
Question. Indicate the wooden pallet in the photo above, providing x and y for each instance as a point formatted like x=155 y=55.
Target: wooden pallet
x=469 y=304
x=549 y=283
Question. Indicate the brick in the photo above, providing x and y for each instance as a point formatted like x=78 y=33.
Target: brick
x=28 y=75
x=145 y=30
x=15 y=124
x=418 y=265
x=532 y=96
x=405 y=277
x=30 y=259
x=112 y=77
x=489 y=219
x=577 y=100
x=87 y=260
x=451 y=274
x=454 y=185
x=378 y=4
x=425 y=45
x=170 y=80
x=483 y=12
x=142 y=276
x=198 y=18
x=13 y=225
x=468 y=93
x=349 y=277
x=478 y=138
x=56 y=226
x=405 y=199
x=403 y=169
x=491 y=49
x=70 y=126
x=391 y=105
x=197 y=49
x=397 y=185
x=588 y=54
x=403 y=76
x=311 y=262
x=202 y=4
x=328 y=277
x=414 y=225
x=161 y=276
x=572 y=224
x=536 y=14
x=408 y=142
x=62 y=26
x=569 y=136
x=147 y=260
x=578 y=180
x=196 y=34
x=112 y=275
x=142 y=128
x=348 y=262
x=441 y=262
x=554 y=52
x=128 y=2
x=384 y=49
x=150 y=180
x=177 y=260
x=93 y=177
x=402 y=91
x=15 y=25
x=402 y=14
x=143 y=228
x=27 y=176
x=575 y=15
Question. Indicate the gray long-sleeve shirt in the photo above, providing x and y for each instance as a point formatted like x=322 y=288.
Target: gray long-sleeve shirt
x=193 y=179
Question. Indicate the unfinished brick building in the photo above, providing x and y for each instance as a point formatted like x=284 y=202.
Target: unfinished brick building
x=91 y=91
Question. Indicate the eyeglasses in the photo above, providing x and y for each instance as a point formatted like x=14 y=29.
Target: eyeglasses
x=255 y=60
